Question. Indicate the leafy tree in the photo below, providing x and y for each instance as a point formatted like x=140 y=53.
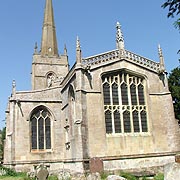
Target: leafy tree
x=174 y=87
x=3 y=136
x=174 y=9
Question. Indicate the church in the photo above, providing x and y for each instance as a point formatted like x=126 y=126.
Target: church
x=109 y=111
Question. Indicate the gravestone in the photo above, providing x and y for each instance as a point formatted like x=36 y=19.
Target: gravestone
x=96 y=165
x=42 y=172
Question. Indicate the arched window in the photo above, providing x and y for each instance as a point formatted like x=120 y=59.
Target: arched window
x=124 y=103
x=40 y=129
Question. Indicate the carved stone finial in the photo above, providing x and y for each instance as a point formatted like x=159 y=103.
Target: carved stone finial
x=65 y=50
x=161 y=59
x=13 y=87
x=78 y=50
x=78 y=46
x=119 y=37
x=36 y=48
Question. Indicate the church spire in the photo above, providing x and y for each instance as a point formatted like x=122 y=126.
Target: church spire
x=49 y=41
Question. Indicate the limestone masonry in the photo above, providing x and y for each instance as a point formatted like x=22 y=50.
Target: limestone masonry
x=109 y=111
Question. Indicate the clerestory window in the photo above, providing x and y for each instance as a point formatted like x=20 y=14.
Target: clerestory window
x=124 y=103
x=40 y=129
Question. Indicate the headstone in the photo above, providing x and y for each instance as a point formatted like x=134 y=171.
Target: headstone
x=41 y=172
x=96 y=165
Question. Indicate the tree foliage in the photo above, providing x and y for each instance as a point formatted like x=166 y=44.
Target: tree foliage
x=174 y=87
x=3 y=136
x=174 y=9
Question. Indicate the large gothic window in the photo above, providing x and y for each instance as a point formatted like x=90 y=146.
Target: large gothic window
x=124 y=103
x=40 y=129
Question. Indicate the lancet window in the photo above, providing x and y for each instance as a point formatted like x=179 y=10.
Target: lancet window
x=40 y=129
x=125 y=108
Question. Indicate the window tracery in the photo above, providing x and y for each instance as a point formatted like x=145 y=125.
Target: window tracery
x=40 y=129
x=124 y=103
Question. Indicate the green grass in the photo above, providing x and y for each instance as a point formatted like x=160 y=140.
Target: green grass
x=159 y=176
x=24 y=178
x=11 y=178
x=128 y=176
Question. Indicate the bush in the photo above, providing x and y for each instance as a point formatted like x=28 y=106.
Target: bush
x=159 y=176
x=53 y=177
x=128 y=176
x=104 y=175
x=4 y=171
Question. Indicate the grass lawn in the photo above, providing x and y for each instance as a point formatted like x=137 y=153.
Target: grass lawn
x=11 y=178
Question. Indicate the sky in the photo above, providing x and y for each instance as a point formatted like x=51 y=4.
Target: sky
x=144 y=25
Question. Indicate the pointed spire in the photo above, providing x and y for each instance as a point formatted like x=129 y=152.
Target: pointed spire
x=49 y=41
x=78 y=50
x=161 y=59
x=119 y=37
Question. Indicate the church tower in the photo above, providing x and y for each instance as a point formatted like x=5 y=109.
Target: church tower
x=48 y=67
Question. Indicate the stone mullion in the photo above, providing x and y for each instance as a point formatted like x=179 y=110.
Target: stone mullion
x=139 y=113
x=130 y=103
x=137 y=98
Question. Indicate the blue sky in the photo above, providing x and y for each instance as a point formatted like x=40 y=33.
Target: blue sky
x=144 y=25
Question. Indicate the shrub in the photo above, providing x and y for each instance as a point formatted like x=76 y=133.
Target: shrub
x=159 y=176
x=53 y=177
x=128 y=176
x=7 y=171
x=104 y=175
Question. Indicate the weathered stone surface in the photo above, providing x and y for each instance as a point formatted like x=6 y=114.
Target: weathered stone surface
x=172 y=171
x=96 y=165
x=177 y=158
x=115 y=177
x=64 y=175
x=79 y=116
x=42 y=172
x=94 y=176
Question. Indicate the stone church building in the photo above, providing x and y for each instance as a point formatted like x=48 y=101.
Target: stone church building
x=110 y=111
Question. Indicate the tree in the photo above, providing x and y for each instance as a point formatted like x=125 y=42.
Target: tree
x=174 y=9
x=174 y=87
x=3 y=136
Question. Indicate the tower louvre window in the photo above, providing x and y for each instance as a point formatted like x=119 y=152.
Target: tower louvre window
x=40 y=129
x=124 y=103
